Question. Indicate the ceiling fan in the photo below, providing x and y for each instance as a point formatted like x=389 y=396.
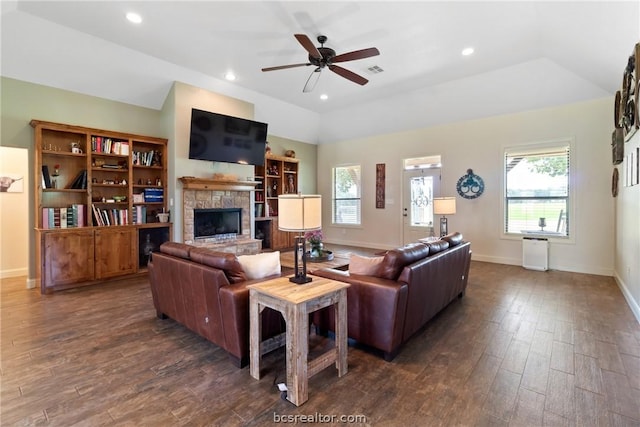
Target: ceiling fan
x=325 y=57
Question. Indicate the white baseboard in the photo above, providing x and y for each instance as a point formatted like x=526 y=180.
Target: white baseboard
x=633 y=304
x=16 y=272
x=31 y=283
x=494 y=259
x=598 y=271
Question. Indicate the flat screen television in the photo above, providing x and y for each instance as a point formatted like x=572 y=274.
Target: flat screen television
x=220 y=138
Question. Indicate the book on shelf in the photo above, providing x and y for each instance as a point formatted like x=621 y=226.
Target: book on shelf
x=63 y=217
x=140 y=215
x=80 y=181
x=45 y=217
x=66 y=217
x=143 y=158
x=107 y=145
x=97 y=218
x=110 y=216
x=46 y=178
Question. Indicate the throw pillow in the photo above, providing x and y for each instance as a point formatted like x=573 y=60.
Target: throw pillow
x=368 y=266
x=260 y=265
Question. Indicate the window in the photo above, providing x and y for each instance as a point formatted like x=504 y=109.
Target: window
x=537 y=189
x=346 y=195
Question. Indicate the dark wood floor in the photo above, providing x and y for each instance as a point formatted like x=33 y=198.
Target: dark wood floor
x=523 y=348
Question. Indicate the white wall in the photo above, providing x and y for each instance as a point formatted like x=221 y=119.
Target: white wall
x=14 y=214
x=627 y=260
x=479 y=145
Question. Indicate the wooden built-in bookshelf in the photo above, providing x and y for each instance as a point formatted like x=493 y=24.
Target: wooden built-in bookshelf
x=97 y=196
x=279 y=175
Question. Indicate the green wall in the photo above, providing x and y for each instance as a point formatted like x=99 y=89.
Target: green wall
x=22 y=101
x=307 y=153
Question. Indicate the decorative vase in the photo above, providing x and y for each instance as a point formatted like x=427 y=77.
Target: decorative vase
x=316 y=249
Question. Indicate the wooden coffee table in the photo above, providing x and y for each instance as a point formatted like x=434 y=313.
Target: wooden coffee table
x=339 y=261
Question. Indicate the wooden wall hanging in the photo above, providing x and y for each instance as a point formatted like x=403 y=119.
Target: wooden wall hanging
x=380 y=178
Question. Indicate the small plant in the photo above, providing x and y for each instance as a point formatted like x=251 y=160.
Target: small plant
x=314 y=237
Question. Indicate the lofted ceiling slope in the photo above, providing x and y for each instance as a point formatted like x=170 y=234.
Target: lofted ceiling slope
x=527 y=54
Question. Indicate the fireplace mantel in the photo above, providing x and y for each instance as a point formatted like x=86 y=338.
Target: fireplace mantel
x=193 y=183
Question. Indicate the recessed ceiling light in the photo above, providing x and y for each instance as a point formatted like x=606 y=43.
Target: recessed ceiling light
x=324 y=96
x=230 y=76
x=134 y=17
x=467 y=51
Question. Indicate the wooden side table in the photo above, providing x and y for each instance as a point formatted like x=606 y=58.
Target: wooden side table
x=295 y=302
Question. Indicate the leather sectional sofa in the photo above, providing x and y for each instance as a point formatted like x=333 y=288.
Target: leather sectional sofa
x=410 y=286
x=206 y=291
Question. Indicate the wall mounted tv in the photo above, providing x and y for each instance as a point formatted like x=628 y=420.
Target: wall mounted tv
x=221 y=138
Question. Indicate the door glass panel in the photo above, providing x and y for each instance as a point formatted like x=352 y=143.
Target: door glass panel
x=421 y=201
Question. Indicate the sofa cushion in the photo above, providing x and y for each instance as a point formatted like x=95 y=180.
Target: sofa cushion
x=221 y=260
x=260 y=265
x=438 y=246
x=454 y=239
x=396 y=259
x=180 y=250
x=369 y=266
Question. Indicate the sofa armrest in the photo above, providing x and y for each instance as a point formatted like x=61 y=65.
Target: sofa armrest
x=375 y=306
x=234 y=304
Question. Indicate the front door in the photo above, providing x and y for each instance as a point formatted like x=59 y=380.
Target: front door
x=419 y=187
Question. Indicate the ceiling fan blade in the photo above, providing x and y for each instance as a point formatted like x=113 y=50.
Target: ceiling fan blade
x=308 y=45
x=349 y=75
x=312 y=80
x=283 y=67
x=356 y=54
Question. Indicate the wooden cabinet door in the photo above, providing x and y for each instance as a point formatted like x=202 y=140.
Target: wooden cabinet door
x=67 y=258
x=277 y=241
x=281 y=239
x=115 y=252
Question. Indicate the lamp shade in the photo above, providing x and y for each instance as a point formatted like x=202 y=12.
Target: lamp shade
x=299 y=212
x=444 y=205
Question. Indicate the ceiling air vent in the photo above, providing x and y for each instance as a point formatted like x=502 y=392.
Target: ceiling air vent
x=375 y=69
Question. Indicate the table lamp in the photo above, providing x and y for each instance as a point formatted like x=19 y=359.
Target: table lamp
x=444 y=206
x=300 y=213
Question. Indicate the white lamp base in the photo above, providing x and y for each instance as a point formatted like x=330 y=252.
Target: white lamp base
x=443 y=226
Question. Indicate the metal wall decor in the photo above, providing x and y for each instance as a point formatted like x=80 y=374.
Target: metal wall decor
x=470 y=186
x=626 y=109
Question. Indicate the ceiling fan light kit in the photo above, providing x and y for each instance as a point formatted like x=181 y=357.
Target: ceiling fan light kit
x=325 y=57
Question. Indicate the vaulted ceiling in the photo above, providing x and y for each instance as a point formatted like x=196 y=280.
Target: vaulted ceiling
x=527 y=54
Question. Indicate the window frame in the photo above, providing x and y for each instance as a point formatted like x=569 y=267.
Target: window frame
x=570 y=198
x=334 y=198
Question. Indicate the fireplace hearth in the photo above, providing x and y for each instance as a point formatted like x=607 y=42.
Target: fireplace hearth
x=217 y=223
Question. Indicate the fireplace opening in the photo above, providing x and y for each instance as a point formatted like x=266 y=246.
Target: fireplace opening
x=217 y=223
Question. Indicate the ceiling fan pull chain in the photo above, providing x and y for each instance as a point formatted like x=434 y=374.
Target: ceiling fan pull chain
x=312 y=80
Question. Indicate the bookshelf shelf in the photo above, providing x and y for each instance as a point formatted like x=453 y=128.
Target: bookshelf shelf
x=63 y=153
x=94 y=230
x=147 y=167
x=64 y=190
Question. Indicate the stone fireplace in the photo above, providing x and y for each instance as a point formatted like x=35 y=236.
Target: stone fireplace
x=206 y=196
